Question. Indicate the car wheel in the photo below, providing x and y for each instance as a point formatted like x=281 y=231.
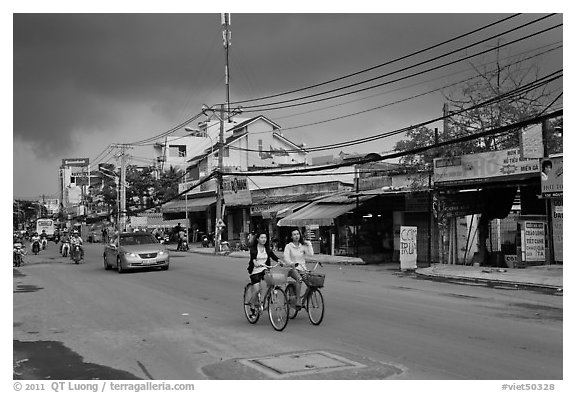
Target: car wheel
x=165 y=267
x=119 y=266
x=106 y=266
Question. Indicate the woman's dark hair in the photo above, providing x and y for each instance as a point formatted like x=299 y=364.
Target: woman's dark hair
x=301 y=240
x=255 y=242
x=546 y=163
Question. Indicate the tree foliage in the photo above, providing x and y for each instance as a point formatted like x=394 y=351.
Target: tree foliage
x=490 y=82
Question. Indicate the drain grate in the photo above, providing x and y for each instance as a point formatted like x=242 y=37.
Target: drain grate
x=302 y=363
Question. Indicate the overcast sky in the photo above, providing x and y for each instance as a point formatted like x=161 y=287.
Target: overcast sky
x=83 y=81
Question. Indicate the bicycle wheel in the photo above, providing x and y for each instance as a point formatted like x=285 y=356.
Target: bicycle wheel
x=252 y=315
x=315 y=306
x=278 y=309
x=291 y=297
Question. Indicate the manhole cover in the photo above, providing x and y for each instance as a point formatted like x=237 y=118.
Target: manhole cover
x=302 y=363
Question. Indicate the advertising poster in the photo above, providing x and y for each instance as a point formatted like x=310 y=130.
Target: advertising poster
x=534 y=241
x=236 y=191
x=551 y=173
x=408 y=247
x=483 y=166
x=557 y=225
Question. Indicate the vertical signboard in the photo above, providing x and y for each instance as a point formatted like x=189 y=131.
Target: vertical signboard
x=551 y=172
x=557 y=224
x=533 y=241
x=408 y=247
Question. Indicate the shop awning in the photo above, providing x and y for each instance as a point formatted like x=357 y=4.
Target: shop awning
x=316 y=214
x=276 y=209
x=193 y=205
x=155 y=220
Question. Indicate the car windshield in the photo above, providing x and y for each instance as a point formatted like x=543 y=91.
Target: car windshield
x=133 y=240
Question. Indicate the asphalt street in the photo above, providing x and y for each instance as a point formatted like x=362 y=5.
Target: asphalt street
x=187 y=323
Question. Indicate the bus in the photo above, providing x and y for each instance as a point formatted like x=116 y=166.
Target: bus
x=45 y=224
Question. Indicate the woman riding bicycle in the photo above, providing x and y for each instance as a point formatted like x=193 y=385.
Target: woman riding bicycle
x=294 y=257
x=260 y=255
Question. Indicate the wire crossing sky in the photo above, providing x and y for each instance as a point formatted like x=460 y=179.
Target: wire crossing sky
x=82 y=82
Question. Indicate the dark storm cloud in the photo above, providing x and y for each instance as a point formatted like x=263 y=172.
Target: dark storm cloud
x=74 y=71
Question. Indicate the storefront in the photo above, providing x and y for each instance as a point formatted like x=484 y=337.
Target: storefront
x=475 y=195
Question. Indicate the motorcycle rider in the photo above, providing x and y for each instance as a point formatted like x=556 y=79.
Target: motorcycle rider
x=18 y=251
x=35 y=239
x=77 y=240
x=65 y=239
x=44 y=238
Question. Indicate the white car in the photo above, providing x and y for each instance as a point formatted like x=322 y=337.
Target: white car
x=136 y=250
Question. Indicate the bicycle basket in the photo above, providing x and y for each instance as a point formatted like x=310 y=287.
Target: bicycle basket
x=314 y=279
x=276 y=276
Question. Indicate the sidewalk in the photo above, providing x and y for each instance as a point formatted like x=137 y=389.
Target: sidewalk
x=548 y=277
x=542 y=277
x=313 y=259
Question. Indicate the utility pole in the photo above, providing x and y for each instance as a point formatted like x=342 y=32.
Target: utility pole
x=122 y=216
x=548 y=201
x=227 y=37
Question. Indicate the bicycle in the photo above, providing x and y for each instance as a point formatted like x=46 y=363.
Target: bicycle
x=274 y=301
x=313 y=299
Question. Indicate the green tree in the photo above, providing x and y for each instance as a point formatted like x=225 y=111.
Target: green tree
x=168 y=184
x=140 y=182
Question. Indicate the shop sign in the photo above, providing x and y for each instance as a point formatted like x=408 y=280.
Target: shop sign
x=236 y=191
x=258 y=209
x=511 y=260
x=408 y=247
x=533 y=238
x=461 y=204
x=75 y=161
x=186 y=185
x=482 y=166
x=557 y=228
x=551 y=173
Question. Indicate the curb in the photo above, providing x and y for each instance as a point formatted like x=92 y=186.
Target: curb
x=493 y=282
x=312 y=259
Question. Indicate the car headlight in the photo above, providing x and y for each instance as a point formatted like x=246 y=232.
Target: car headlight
x=162 y=252
x=130 y=254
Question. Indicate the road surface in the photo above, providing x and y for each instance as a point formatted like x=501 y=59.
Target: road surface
x=187 y=323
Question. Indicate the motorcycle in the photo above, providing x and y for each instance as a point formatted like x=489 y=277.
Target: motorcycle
x=36 y=247
x=183 y=246
x=205 y=240
x=65 y=248
x=160 y=239
x=18 y=254
x=76 y=254
x=44 y=243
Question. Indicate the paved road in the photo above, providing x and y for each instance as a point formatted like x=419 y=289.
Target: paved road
x=187 y=323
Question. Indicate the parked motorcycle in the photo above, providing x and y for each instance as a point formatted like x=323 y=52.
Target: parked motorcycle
x=76 y=254
x=65 y=248
x=18 y=254
x=206 y=240
x=36 y=247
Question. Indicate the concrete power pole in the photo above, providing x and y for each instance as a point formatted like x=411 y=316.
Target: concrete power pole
x=123 y=156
